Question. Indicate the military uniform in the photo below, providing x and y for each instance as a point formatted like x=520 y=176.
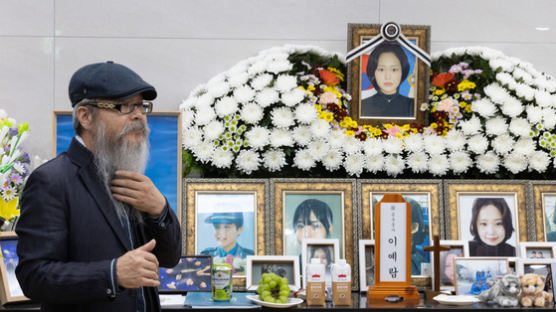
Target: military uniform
x=237 y=251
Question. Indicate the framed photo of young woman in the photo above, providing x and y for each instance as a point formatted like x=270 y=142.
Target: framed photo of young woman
x=388 y=83
x=327 y=250
x=544 y=194
x=490 y=217
x=225 y=220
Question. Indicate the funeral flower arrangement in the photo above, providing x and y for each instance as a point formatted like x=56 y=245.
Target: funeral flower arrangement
x=14 y=165
x=284 y=111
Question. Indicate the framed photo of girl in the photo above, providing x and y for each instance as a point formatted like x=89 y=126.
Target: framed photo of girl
x=490 y=216
x=458 y=248
x=225 y=220
x=387 y=83
x=423 y=196
x=313 y=208
x=545 y=210
x=327 y=250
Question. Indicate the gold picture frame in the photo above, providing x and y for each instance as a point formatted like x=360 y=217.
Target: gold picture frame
x=544 y=195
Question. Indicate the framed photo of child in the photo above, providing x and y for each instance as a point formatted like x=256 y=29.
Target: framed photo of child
x=490 y=217
x=472 y=273
x=537 y=250
x=225 y=220
x=283 y=266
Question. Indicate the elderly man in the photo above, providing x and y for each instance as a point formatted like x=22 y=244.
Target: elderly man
x=93 y=229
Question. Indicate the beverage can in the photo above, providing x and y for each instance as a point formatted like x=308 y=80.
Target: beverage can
x=221 y=282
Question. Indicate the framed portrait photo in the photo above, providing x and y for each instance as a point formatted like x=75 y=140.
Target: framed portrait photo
x=545 y=210
x=192 y=273
x=491 y=217
x=424 y=198
x=536 y=266
x=472 y=273
x=326 y=249
x=165 y=167
x=366 y=264
x=537 y=250
x=313 y=209
x=225 y=220
x=388 y=83
x=447 y=266
x=10 y=291
x=283 y=266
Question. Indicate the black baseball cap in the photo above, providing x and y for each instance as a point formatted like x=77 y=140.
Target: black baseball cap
x=107 y=80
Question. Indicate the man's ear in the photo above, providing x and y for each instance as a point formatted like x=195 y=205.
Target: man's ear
x=85 y=117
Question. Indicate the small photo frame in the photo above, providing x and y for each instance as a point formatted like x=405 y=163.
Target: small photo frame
x=551 y=280
x=545 y=210
x=366 y=264
x=225 y=220
x=284 y=266
x=536 y=266
x=10 y=291
x=447 y=266
x=192 y=273
x=472 y=273
x=490 y=216
x=327 y=250
x=537 y=250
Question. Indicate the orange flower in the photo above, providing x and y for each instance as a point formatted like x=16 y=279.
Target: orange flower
x=441 y=79
x=328 y=77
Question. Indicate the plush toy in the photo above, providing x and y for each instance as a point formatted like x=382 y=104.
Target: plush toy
x=480 y=283
x=504 y=291
x=532 y=291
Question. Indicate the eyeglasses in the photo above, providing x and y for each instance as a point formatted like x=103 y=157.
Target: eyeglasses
x=124 y=108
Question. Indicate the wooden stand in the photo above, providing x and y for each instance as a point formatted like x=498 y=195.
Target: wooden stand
x=384 y=293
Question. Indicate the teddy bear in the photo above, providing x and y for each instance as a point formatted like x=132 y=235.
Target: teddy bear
x=504 y=291
x=532 y=291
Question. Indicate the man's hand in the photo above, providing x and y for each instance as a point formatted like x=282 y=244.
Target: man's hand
x=139 y=191
x=138 y=267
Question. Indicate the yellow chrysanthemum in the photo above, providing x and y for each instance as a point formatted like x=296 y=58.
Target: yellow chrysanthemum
x=388 y=126
x=322 y=115
x=350 y=133
x=329 y=117
x=333 y=90
x=466 y=85
x=439 y=91
x=338 y=73
x=434 y=125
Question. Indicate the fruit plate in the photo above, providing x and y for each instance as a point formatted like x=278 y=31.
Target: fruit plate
x=292 y=302
x=456 y=300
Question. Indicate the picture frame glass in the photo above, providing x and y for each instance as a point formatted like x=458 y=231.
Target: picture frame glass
x=539 y=253
x=192 y=273
x=447 y=266
x=472 y=274
x=370 y=265
x=280 y=268
x=10 y=261
x=536 y=268
x=327 y=255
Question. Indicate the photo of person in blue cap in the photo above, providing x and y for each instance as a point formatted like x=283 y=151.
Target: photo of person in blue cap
x=227 y=227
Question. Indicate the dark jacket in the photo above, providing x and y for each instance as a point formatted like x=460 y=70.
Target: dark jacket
x=69 y=233
x=480 y=249
x=381 y=105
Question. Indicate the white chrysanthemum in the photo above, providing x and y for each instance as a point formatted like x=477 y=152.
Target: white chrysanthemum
x=372 y=147
x=525 y=91
x=267 y=97
x=515 y=163
x=244 y=94
x=203 y=151
x=318 y=149
x=502 y=144
x=394 y=165
x=539 y=161
x=489 y=54
x=477 y=144
x=439 y=165
x=520 y=127
x=351 y=145
x=204 y=115
x=418 y=162
x=303 y=160
x=222 y=158
x=549 y=118
x=188 y=103
x=280 y=137
x=213 y=130
x=488 y=163
x=261 y=81
x=187 y=117
x=496 y=126
x=293 y=97
x=460 y=162
x=282 y=117
x=305 y=113
x=226 y=106
x=18 y=167
x=519 y=73
x=204 y=100
x=257 y=137
x=279 y=66
x=191 y=137
x=543 y=98
x=285 y=83
x=506 y=79
x=251 y=113
x=332 y=160
x=257 y=67
x=512 y=107
x=484 y=107
x=455 y=140
x=524 y=146
x=471 y=126
x=414 y=142
x=534 y=114
x=320 y=128
x=392 y=145
x=501 y=63
x=302 y=135
x=374 y=163
x=496 y=93
x=354 y=164
x=219 y=89
x=238 y=79
x=434 y=144
x=274 y=160
x=248 y=161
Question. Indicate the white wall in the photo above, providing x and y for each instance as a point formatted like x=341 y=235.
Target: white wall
x=178 y=44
